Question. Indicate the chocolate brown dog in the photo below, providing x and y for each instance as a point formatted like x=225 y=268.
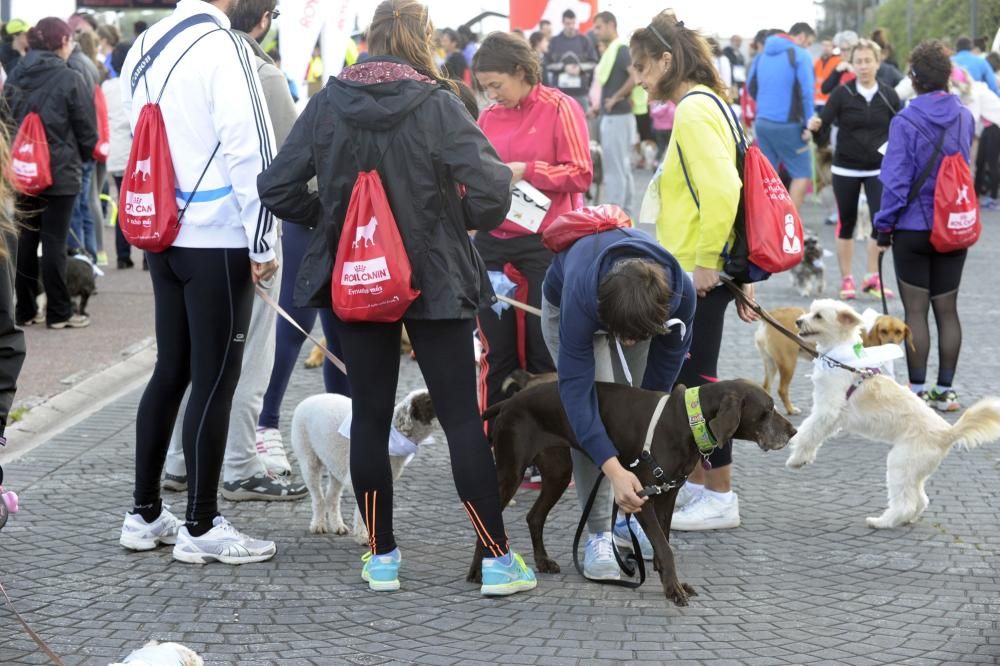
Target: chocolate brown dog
x=532 y=427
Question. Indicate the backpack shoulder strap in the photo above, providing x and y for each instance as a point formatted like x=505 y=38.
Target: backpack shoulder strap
x=149 y=56
x=727 y=112
x=687 y=179
x=926 y=173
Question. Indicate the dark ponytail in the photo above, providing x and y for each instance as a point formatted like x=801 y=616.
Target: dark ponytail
x=691 y=56
x=49 y=35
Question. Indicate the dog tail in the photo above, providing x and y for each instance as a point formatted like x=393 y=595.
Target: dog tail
x=980 y=424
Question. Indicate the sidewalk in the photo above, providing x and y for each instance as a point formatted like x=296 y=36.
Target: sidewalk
x=803 y=580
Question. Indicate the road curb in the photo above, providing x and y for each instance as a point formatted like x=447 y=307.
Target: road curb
x=64 y=410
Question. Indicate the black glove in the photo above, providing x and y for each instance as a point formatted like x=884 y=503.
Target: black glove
x=884 y=239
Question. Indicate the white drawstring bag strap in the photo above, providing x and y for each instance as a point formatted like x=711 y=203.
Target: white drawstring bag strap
x=621 y=352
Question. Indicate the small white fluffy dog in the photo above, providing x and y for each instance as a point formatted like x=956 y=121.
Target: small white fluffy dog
x=319 y=447
x=879 y=408
x=155 y=653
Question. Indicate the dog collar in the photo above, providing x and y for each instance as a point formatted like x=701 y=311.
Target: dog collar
x=696 y=420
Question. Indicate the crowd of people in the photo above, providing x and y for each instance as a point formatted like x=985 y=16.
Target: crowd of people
x=618 y=306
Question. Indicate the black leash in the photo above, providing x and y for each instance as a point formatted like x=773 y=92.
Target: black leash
x=881 y=284
x=630 y=564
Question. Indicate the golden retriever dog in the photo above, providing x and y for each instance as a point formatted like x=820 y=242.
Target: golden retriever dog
x=878 y=408
x=781 y=355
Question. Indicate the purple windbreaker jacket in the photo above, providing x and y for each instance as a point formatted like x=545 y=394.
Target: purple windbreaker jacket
x=913 y=134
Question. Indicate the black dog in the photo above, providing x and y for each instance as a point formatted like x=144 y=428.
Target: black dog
x=80 y=280
x=532 y=427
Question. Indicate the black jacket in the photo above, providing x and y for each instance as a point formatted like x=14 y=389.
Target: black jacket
x=887 y=73
x=9 y=57
x=43 y=82
x=864 y=126
x=438 y=146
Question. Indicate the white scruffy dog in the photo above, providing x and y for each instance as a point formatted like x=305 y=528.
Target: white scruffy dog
x=879 y=408
x=155 y=653
x=319 y=446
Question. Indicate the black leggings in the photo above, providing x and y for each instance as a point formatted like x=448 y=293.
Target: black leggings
x=928 y=278
x=846 y=190
x=203 y=298
x=702 y=364
x=499 y=335
x=46 y=220
x=444 y=352
x=988 y=162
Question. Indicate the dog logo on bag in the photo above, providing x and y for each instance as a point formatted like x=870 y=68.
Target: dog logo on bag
x=963 y=196
x=26 y=149
x=791 y=243
x=142 y=167
x=366 y=232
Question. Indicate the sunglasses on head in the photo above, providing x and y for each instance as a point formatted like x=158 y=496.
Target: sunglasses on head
x=275 y=13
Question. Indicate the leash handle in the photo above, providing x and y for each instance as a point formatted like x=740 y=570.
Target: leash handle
x=264 y=296
x=56 y=661
x=530 y=309
x=881 y=284
x=626 y=566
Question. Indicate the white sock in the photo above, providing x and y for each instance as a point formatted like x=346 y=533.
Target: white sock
x=917 y=388
x=695 y=488
x=725 y=498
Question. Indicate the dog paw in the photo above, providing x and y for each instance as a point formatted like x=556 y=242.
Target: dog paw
x=546 y=565
x=879 y=523
x=677 y=593
x=341 y=530
x=793 y=410
x=690 y=590
x=360 y=538
x=796 y=460
x=318 y=527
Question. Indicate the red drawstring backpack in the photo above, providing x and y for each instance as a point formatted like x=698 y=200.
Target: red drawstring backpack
x=768 y=235
x=148 y=213
x=29 y=157
x=372 y=277
x=957 y=224
x=103 y=147
x=574 y=225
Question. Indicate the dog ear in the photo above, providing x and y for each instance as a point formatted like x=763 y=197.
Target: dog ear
x=727 y=418
x=421 y=408
x=908 y=335
x=849 y=317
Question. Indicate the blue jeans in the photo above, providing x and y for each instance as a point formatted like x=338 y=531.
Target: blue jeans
x=82 y=227
x=288 y=341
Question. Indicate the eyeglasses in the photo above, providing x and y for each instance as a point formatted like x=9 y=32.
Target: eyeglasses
x=275 y=13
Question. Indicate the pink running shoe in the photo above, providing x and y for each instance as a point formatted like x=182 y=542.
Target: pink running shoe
x=872 y=287
x=848 y=292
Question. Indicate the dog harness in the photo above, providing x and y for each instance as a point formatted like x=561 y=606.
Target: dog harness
x=699 y=429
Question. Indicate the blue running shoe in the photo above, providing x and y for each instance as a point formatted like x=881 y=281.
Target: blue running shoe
x=506 y=575
x=381 y=571
x=623 y=540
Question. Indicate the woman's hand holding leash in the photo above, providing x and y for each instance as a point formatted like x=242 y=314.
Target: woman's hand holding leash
x=263 y=272
x=625 y=484
x=745 y=312
x=705 y=280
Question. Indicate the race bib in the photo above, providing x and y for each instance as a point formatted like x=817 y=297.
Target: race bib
x=528 y=206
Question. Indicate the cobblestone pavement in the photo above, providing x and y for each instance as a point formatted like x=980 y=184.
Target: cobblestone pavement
x=802 y=581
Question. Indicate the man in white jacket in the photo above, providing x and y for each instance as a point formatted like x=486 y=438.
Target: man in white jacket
x=252 y=470
x=221 y=137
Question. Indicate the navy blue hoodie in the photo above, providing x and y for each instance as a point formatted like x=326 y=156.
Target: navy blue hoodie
x=571 y=284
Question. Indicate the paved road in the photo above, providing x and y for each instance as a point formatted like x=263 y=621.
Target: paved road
x=802 y=581
x=121 y=317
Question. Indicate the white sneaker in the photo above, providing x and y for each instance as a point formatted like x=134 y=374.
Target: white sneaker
x=707 y=513
x=685 y=496
x=271 y=451
x=223 y=543
x=599 y=558
x=137 y=534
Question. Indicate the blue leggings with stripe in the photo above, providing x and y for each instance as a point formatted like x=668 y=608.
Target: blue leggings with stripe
x=288 y=341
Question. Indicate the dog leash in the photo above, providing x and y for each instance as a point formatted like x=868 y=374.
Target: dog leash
x=531 y=309
x=630 y=564
x=756 y=307
x=881 y=284
x=31 y=632
x=264 y=296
